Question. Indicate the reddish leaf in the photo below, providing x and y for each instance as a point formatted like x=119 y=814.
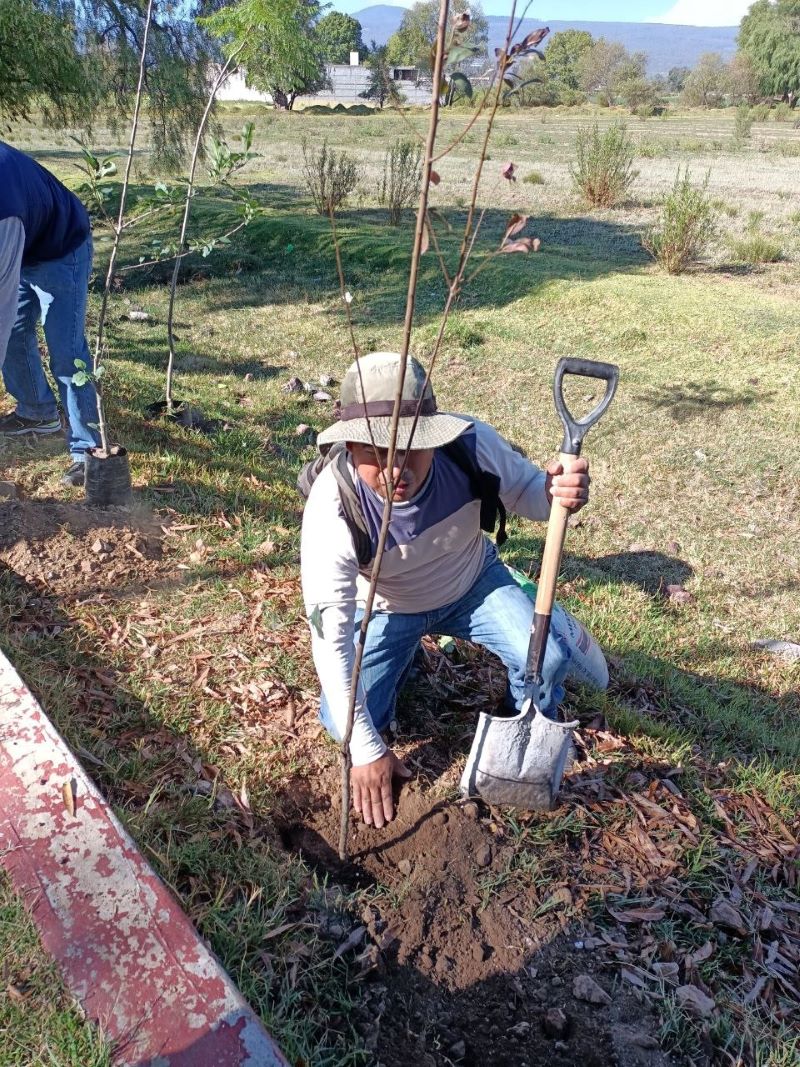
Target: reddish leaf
x=435 y=179
x=524 y=244
x=507 y=171
x=516 y=224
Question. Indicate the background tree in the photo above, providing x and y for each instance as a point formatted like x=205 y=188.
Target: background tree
x=632 y=85
x=412 y=44
x=600 y=66
x=564 y=54
x=708 y=83
x=743 y=81
x=40 y=66
x=676 y=78
x=770 y=36
x=276 y=45
x=72 y=60
x=338 y=35
x=381 y=87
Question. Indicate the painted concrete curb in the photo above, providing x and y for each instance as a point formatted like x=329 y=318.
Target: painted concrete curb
x=127 y=951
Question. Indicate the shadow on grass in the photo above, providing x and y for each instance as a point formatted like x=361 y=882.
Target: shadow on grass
x=696 y=399
x=287 y=255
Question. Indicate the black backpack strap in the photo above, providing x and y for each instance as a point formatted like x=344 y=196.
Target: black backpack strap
x=485 y=486
x=351 y=506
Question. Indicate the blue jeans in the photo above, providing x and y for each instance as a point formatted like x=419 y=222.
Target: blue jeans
x=494 y=613
x=64 y=321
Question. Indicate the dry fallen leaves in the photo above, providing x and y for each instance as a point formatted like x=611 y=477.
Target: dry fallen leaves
x=69 y=792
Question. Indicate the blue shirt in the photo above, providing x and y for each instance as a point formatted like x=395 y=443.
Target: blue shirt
x=55 y=220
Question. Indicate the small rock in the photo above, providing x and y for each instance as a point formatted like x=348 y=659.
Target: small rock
x=8 y=491
x=138 y=316
x=248 y=377
x=678 y=595
x=555 y=1023
x=788 y=650
x=294 y=385
x=471 y=810
x=405 y=867
x=483 y=856
x=557 y=981
x=458 y=1050
x=638 y=546
x=326 y=380
x=585 y=988
x=520 y=1029
x=444 y=964
x=301 y=429
x=322 y=396
x=439 y=819
x=673 y=548
x=695 y=1001
x=99 y=546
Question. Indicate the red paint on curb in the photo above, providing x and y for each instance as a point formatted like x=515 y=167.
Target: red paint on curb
x=127 y=951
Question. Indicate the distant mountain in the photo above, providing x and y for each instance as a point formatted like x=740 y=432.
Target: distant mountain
x=666 y=46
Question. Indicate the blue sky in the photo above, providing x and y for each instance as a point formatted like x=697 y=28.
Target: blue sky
x=686 y=12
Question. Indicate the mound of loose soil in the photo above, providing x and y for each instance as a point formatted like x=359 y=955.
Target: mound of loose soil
x=73 y=549
x=471 y=968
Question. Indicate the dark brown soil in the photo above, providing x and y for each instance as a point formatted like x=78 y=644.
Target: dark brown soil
x=466 y=966
x=72 y=549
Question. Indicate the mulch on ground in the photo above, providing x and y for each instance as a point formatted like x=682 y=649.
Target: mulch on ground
x=480 y=937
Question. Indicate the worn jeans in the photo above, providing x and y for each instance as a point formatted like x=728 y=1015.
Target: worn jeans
x=66 y=281
x=494 y=613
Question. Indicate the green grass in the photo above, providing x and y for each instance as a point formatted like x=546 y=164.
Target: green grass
x=38 y=1022
x=693 y=453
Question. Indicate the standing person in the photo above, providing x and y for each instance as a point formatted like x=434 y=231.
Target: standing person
x=439 y=573
x=53 y=285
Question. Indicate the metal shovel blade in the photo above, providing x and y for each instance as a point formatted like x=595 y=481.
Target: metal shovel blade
x=518 y=761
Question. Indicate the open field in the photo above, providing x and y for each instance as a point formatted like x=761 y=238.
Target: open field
x=175 y=655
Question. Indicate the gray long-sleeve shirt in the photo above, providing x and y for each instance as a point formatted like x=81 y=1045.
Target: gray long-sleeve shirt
x=435 y=552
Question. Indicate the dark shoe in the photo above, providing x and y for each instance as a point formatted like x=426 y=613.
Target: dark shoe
x=14 y=425
x=75 y=474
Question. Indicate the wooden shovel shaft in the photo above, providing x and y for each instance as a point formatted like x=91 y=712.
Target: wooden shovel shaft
x=546 y=589
x=553 y=550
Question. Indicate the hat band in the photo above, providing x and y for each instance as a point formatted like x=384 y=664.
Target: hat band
x=377 y=409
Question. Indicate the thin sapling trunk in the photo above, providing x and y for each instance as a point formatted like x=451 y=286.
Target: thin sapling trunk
x=118 y=227
x=422 y=213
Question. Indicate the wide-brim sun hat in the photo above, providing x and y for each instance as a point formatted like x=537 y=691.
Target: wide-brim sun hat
x=366 y=402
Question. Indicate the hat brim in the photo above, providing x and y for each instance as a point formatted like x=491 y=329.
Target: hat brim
x=432 y=431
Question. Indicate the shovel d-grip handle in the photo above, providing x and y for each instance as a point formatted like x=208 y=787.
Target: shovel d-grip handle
x=574 y=432
x=576 y=429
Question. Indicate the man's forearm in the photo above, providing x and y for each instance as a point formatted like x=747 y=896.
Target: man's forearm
x=334 y=653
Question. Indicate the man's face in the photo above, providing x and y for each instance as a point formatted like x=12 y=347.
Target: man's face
x=372 y=469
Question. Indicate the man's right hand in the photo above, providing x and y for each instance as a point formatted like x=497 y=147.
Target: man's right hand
x=372 y=788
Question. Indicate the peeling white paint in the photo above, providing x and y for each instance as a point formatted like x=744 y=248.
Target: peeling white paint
x=110 y=922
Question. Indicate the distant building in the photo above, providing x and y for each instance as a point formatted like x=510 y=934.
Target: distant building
x=347 y=82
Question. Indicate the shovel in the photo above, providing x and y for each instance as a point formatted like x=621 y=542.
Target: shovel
x=520 y=761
